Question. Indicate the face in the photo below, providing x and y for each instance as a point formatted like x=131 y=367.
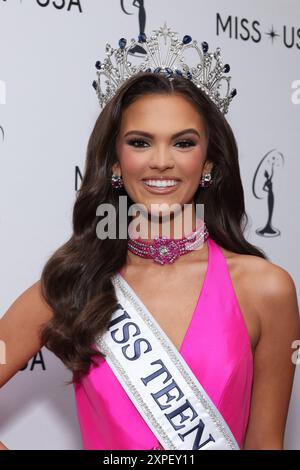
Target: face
x=162 y=141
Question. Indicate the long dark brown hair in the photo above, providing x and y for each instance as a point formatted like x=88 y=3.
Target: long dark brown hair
x=76 y=280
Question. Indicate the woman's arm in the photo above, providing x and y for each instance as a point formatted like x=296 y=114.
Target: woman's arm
x=275 y=302
x=20 y=332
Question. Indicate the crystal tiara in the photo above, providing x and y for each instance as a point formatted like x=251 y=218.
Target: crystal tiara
x=209 y=74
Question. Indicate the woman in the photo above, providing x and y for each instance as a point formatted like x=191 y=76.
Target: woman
x=228 y=312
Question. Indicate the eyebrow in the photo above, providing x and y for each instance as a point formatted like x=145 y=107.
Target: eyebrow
x=177 y=134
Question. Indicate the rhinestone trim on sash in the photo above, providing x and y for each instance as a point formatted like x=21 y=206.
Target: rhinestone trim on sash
x=106 y=350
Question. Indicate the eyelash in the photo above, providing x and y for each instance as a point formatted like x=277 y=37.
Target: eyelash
x=186 y=141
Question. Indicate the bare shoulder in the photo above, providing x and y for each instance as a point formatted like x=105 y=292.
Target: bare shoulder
x=269 y=288
x=20 y=329
x=267 y=279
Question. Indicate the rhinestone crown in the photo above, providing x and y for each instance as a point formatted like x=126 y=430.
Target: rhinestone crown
x=169 y=59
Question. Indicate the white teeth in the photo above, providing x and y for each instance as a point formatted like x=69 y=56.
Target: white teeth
x=161 y=183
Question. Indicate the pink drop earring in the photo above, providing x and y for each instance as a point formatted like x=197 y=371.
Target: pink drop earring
x=206 y=180
x=116 y=181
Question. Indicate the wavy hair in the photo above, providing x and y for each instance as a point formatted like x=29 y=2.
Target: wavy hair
x=76 y=279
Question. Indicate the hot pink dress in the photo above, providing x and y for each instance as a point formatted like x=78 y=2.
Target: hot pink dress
x=217 y=349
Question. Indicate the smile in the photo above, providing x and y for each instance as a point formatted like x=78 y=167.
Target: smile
x=161 y=186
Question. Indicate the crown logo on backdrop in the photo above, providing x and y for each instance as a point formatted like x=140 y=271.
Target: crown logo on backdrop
x=163 y=52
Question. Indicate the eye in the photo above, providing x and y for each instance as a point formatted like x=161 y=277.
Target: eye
x=187 y=143
x=132 y=142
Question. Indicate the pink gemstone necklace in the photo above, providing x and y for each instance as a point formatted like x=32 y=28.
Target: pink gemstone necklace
x=166 y=250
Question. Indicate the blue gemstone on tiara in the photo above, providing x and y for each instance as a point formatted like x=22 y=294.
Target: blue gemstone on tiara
x=142 y=37
x=186 y=39
x=122 y=43
x=178 y=72
x=95 y=85
x=157 y=70
x=189 y=75
x=226 y=68
x=168 y=73
x=204 y=46
x=98 y=65
x=233 y=92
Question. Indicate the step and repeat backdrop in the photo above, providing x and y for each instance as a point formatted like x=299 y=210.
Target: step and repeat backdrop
x=48 y=107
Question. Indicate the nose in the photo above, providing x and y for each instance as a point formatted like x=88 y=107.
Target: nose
x=161 y=159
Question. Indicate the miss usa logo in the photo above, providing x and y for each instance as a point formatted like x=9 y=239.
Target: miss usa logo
x=58 y=4
x=61 y=4
x=251 y=30
x=263 y=187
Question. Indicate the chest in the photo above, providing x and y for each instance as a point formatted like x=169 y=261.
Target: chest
x=171 y=297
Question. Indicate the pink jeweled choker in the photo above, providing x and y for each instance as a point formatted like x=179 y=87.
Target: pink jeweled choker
x=165 y=250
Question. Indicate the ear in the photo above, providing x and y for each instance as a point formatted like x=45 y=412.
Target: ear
x=116 y=169
x=208 y=167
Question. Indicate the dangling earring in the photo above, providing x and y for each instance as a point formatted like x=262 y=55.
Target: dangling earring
x=116 y=181
x=206 y=181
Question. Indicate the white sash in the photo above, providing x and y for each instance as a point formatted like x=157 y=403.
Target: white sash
x=158 y=381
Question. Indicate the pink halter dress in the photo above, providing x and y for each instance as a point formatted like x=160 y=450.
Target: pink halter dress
x=217 y=349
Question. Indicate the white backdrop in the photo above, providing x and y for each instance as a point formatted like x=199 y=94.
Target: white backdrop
x=47 y=110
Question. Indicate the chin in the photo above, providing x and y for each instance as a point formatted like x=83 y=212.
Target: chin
x=164 y=212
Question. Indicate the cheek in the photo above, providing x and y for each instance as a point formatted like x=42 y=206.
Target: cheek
x=191 y=165
x=131 y=164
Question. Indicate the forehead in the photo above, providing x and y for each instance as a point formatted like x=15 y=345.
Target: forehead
x=156 y=112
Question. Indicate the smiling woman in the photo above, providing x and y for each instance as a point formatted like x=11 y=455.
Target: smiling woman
x=170 y=341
